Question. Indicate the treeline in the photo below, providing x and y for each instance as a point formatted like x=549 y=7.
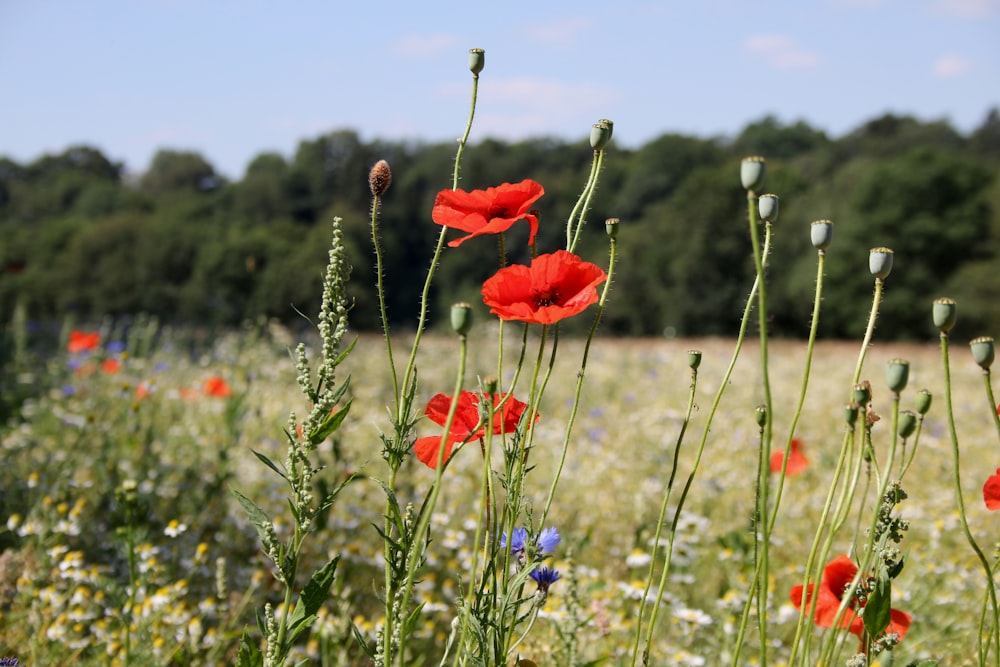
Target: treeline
x=182 y=243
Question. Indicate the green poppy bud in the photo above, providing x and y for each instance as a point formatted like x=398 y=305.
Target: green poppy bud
x=767 y=206
x=490 y=384
x=821 y=233
x=944 y=312
x=907 y=423
x=862 y=393
x=694 y=359
x=897 y=374
x=752 y=171
x=880 y=262
x=923 y=402
x=600 y=134
x=379 y=178
x=611 y=227
x=983 y=351
x=477 y=60
x=851 y=414
x=461 y=318
x=760 y=414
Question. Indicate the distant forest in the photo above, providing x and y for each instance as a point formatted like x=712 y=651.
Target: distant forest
x=182 y=243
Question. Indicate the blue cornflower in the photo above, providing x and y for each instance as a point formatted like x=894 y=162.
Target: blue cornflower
x=547 y=541
x=115 y=347
x=545 y=576
x=9 y=662
x=517 y=542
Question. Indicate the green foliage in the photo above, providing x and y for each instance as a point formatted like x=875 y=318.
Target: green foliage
x=183 y=244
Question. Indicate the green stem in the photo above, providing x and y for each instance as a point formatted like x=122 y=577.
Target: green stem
x=376 y=204
x=579 y=209
x=957 y=480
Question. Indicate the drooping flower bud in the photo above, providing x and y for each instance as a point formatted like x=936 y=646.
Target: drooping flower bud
x=923 y=402
x=379 y=178
x=767 y=205
x=477 y=60
x=880 y=262
x=897 y=374
x=611 y=227
x=983 y=351
x=694 y=359
x=821 y=234
x=461 y=318
x=600 y=134
x=752 y=171
x=944 y=313
x=907 y=423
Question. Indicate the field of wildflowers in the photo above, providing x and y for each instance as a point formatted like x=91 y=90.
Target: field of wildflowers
x=503 y=495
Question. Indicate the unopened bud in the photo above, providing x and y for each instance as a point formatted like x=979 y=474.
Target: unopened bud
x=379 y=178
x=760 y=414
x=694 y=359
x=983 y=351
x=461 y=318
x=907 y=424
x=477 y=60
x=611 y=227
x=923 y=402
x=767 y=205
x=821 y=234
x=600 y=134
x=862 y=393
x=897 y=374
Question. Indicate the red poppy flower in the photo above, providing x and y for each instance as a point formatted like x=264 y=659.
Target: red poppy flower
x=80 y=341
x=837 y=576
x=991 y=492
x=111 y=366
x=489 y=211
x=217 y=387
x=466 y=419
x=797 y=462
x=554 y=287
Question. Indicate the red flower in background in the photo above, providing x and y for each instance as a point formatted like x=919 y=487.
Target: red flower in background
x=111 y=366
x=463 y=427
x=991 y=492
x=797 y=462
x=80 y=341
x=554 y=287
x=837 y=576
x=217 y=387
x=489 y=211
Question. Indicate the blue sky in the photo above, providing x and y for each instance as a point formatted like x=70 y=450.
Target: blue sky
x=231 y=78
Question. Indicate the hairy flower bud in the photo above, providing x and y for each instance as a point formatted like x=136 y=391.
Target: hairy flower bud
x=379 y=178
x=752 y=171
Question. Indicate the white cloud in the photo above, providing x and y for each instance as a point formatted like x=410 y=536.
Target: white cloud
x=421 y=46
x=561 y=32
x=951 y=66
x=966 y=9
x=781 y=52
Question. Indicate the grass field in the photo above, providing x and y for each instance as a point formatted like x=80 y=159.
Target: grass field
x=145 y=442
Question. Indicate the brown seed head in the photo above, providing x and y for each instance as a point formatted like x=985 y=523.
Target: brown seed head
x=379 y=178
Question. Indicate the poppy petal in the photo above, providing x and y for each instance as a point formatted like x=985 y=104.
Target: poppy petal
x=991 y=492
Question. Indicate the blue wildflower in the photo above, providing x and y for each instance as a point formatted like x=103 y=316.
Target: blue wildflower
x=9 y=662
x=547 y=541
x=545 y=576
x=115 y=347
x=517 y=542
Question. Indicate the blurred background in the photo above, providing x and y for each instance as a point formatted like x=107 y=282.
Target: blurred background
x=184 y=159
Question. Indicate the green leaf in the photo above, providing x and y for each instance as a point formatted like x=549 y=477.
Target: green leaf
x=329 y=425
x=257 y=516
x=270 y=464
x=329 y=498
x=249 y=654
x=877 y=611
x=312 y=597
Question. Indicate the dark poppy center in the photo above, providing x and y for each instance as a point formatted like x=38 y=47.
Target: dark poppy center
x=546 y=297
x=499 y=212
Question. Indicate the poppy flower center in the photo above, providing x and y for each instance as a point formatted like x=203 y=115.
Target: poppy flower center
x=544 y=298
x=496 y=211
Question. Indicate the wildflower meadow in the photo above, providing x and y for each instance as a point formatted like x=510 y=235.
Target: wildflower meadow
x=483 y=488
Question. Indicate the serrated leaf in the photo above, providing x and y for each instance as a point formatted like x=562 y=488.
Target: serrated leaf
x=249 y=654
x=270 y=464
x=878 y=611
x=312 y=597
